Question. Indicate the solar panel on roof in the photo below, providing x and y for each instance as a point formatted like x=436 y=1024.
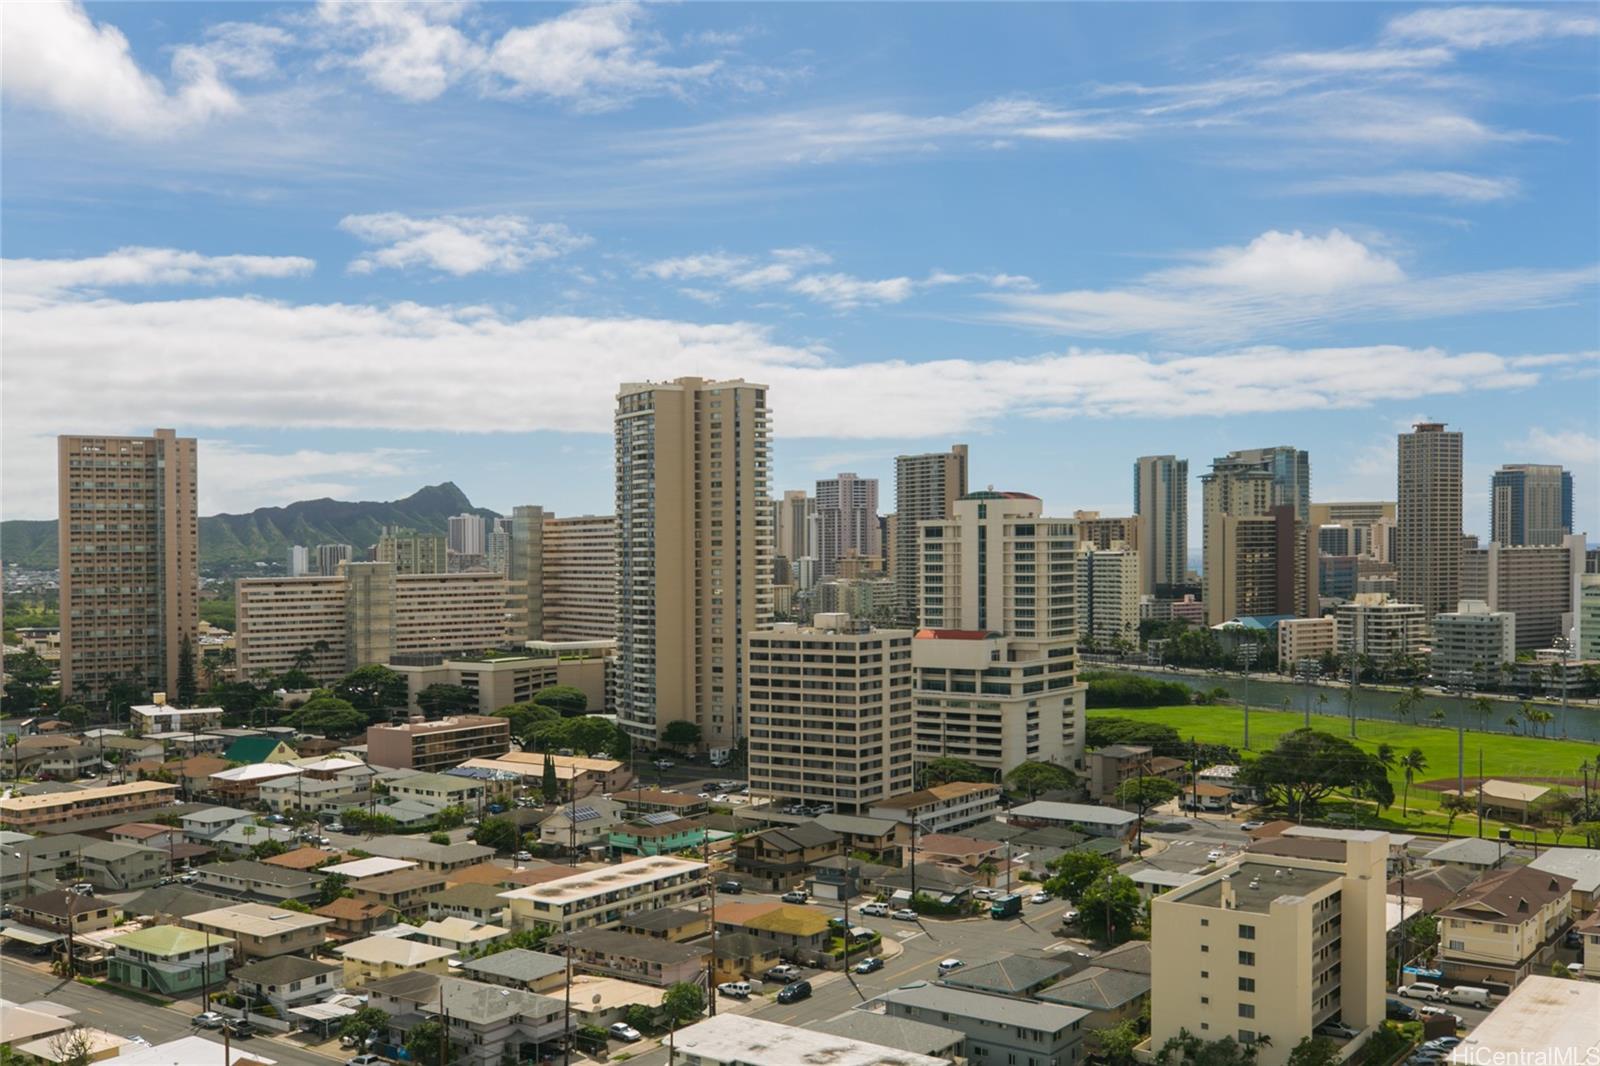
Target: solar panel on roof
x=584 y=814
x=661 y=818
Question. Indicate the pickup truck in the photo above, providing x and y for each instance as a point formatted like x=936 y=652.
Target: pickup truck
x=784 y=973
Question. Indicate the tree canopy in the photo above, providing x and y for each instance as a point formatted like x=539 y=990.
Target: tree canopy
x=683 y=1001
x=330 y=715
x=1306 y=766
x=373 y=688
x=681 y=734
x=1146 y=792
x=586 y=735
x=565 y=699
x=943 y=770
x=1036 y=777
x=1102 y=732
x=435 y=701
x=524 y=716
x=1109 y=910
x=497 y=833
x=1071 y=873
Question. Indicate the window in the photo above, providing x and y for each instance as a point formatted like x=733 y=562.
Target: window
x=1247 y=1036
x=1247 y=958
x=1247 y=932
x=1247 y=984
x=1205 y=999
x=1247 y=1010
x=1204 y=974
x=1205 y=948
x=1458 y=945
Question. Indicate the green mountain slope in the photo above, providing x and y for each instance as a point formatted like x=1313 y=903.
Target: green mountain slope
x=265 y=534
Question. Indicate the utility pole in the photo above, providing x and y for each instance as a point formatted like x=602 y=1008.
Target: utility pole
x=444 y=1029
x=1307 y=671
x=1352 y=659
x=1563 y=645
x=1246 y=655
x=566 y=1020
x=711 y=889
x=1461 y=682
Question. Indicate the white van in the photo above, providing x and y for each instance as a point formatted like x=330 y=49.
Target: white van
x=1422 y=990
x=1468 y=996
x=736 y=989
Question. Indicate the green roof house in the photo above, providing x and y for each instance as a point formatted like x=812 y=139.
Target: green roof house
x=168 y=959
x=259 y=749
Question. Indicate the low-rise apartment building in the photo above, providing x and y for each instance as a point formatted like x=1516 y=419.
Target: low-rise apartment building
x=151 y=718
x=201 y=827
x=942 y=808
x=779 y=858
x=379 y=957
x=261 y=932
x=581 y=824
x=1114 y=764
x=286 y=981
x=1085 y=818
x=599 y=898
x=258 y=881
x=168 y=960
x=1306 y=638
x=508 y=679
x=1472 y=640
x=1504 y=926
x=998 y=1028
x=28 y=813
x=637 y=958
x=122 y=867
x=486 y=1022
x=440 y=745
x=435 y=858
x=1273 y=945
x=742 y=1040
x=406 y=891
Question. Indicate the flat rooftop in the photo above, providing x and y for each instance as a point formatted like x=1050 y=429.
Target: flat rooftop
x=1549 y=1017
x=606 y=879
x=754 y=1041
x=1256 y=885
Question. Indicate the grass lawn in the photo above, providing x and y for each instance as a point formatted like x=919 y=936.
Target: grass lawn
x=1503 y=756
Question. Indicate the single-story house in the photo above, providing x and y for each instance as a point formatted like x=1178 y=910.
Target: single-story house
x=1469 y=853
x=1088 y=818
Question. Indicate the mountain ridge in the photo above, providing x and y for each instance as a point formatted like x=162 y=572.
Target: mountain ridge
x=266 y=533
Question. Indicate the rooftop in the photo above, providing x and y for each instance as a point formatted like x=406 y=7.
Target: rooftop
x=60 y=903
x=623 y=875
x=1086 y=813
x=663 y=919
x=1580 y=864
x=1011 y=975
x=517 y=964
x=1508 y=895
x=903 y=1033
x=350 y=910
x=937 y=794
x=1256 y=886
x=168 y=940
x=1469 y=850
x=401 y=847
x=752 y=1041
x=306 y=858
x=359 y=868
x=634 y=946
x=1006 y=1010
x=246 y=870
x=176 y=901
x=27 y=804
x=216 y=815
x=396 y=951
x=447 y=725
x=258 y=919
x=282 y=970
x=399 y=881
x=1548 y=1016
x=255 y=772
x=1098 y=989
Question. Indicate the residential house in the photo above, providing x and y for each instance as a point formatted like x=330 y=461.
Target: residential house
x=259 y=881
x=741 y=957
x=354 y=918
x=601 y=897
x=199 y=827
x=969 y=853
x=357 y=870
x=797 y=931
x=661 y=801
x=259 y=749
x=439 y=790
x=943 y=808
x=656 y=834
x=743 y=1040
x=407 y=891
x=1014 y=975
x=1113 y=765
x=62 y=909
x=1200 y=796
x=841 y=877
x=147 y=834
x=534 y=971
x=1110 y=996
x=262 y=932
x=581 y=825
x=1473 y=854
x=881 y=838
x=170 y=904
x=242 y=784
x=998 y=1028
x=29 y=861
x=286 y=981
x=121 y=867
x=68 y=762
x=378 y=957
x=1504 y=926
x=1580 y=864
x=943 y=883
x=1589 y=931
x=676 y=924
x=305 y=859
x=1085 y=818
x=1432 y=888
x=1035 y=847
x=460 y=934
x=237 y=840
x=780 y=858
x=437 y=858
x=481 y=903
x=902 y=1034
x=636 y=958
x=302 y=792
x=168 y=960
x=487 y=1023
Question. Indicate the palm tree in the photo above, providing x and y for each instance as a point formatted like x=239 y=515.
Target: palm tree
x=1530 y=715
x=1483 y=705
x=1413 y=763
x=1437 y=716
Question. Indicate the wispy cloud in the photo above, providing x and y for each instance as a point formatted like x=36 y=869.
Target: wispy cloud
x=1433 y=184
x=458 y=245
x=1282 y=281
x=1493 y=27
x=30 y=279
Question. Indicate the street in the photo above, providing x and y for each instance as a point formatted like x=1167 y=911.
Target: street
x=99 y=1009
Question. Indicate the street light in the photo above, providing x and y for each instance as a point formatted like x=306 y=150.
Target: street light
x=1306 y=671
x=1246 y=654
x=1460 y=682
x=1565 y=651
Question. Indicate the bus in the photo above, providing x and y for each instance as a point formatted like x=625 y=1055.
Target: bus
x=1006 y=906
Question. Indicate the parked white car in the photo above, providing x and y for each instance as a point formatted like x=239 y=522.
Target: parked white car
x=874 y=910
x=624 y=1031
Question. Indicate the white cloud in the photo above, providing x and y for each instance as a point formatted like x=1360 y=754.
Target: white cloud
x=1441 y=184
x=58 y=58
x=842 y=291
x=1573 y=448
x=1361 y=60
x=313 y=366
x=713 y=265
x=237 y=478
x=411 y=50
x=1488 y=27
x=1284 y=281
x=456 y=244
x=40 y=278
x=592 y=56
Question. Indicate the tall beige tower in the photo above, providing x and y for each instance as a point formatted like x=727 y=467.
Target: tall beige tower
x=925 y=487
x=1254 y=556
x=796 y=522
x=130 y=560
x=1428 y=518
x=694 y=552
x=580 y=577
x=1161 y=504
x=525 y=571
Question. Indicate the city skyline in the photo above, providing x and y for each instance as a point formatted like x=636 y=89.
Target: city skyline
x=293 y=197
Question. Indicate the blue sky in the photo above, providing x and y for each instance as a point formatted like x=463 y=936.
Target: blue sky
x=358 y=248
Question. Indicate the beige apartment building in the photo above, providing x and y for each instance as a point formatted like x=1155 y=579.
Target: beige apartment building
x=440 y=745
x=1161 y=506
x=1428 y=518
x=1273 y=945
x=925 y=487
x=26 y=813
x=498 y=682
x=1504 y=926
x=369 y=613
x=598 y=899
x=1254 y=544
x=795 y=520
x=1306 y=638
x=129 y=542
x=1370 y=524
x=1108 y=594
x=580 y=578
x=694 y=544
x=1375 y=626
x=1539 y=584
x=995 y=661
x=1097 y=532
x=412 y=552
x=828 y=712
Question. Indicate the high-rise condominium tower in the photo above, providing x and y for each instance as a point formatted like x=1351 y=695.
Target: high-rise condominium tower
x=847 y=520
x=694 y=552
x=130 y=560
x=796 y=518
x=580 y=577
x=467 y=535
x=330 y=556
x=1254 y=549
x=1428 y=518
x=412 y=552
x=1161 y=502
x=1290 y=471
x=525 y=571
x=925 y=486
x=1530 y=504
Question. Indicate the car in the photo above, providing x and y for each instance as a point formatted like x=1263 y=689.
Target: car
x=83 y=888
x=796 y=895
x=364 y=1060
x=665 y=764
x=1214 y=855
x=1440 y=1012
x=1425 y=990
x=1399 y=1012
x=624 y=1031
x=950 y=965
x=276 y=819
x=1446 y=1042
x=732 y=888
x=1337 y=1029
x=209 y=1020
x=782 y=972
x=719 y=798
x=703 y=795
x=794 y=993
x=1574 y=969
x=874 y=910
x=735 y=989
x=239 y=1030
x=1574 y=939
x=1069 y=916
x=1039 y=897
x=870 y=964
x=334 y=827
x=497 y=808
x=1250 y=827
x=523 y=856
x=904 y=914
x=324 y=841
x=187 y=878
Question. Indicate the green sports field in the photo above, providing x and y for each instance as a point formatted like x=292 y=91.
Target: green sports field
x=1504 y=756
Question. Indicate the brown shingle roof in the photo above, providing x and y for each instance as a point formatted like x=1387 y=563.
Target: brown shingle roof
x=1514 y=895
x=350 y=910
x=304 y=858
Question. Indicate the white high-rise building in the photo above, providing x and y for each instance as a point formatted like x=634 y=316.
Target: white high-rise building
x=1474 y=640
x=847 y=520
x=467 y=535
x=1108 y=595
x=925 y=486
x=299 y=561
x=995 y=659
x=1161 y=502
x=694 y=552
x=1428 y=518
